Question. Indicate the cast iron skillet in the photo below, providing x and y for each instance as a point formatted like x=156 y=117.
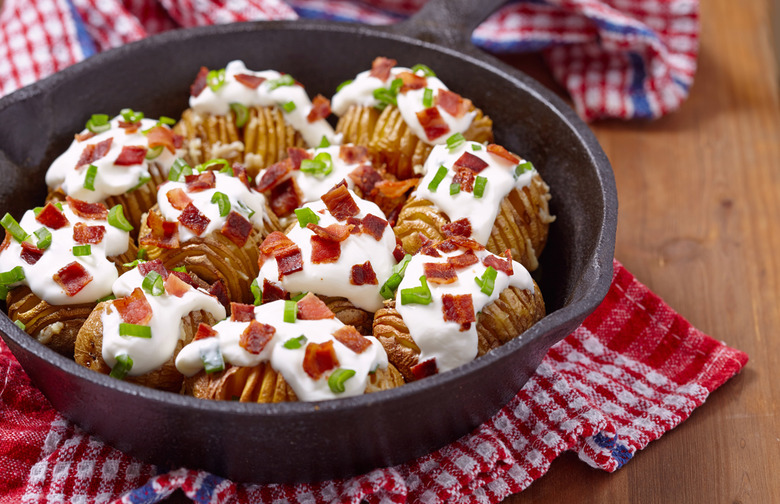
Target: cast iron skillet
x=310 y=441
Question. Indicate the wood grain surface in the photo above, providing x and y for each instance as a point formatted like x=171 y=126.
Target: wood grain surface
x=699 y=223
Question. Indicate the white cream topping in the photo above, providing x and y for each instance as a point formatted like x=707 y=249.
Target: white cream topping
x=242 y=200
x=314 y=186
x=288 y=362
x=361 y=92
x=218 y=103
x=149 y=354
x=481 y=212
x=333 y=279
x=39 y=276
x=441 y=339
x=111 y=179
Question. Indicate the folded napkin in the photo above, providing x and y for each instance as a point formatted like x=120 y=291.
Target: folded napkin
x=631 y=372
x=617 y=58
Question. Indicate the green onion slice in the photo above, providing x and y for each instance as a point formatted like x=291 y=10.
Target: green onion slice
x=142 y=180
x=222 y=201
x=385 y=97
x=116 y=217
x=153 y=283
x=388 y=289
x=479 y=186
x=135 y=330
x=428 y=98
x=337 y=379
x=455 y=141
x=488 y=281
x=284 y=80
x=131 y=116
x=133 y=264
x=425 y=70
x=89 y=179
x=20 y=324
x=476 y=147
x=154 y=152
x=216 y=79
x=257 y=292
x=13 y=227
x=440 y=174
x=241 y=112
x=123 y=366
x=248 y=211
x=168 y=121
x=299 y=296
x=141 y=253
x=82 y=250
x=417 y=295
x=454 y=189
x=306 y=215
x=294 y=343
x=180 y=269
x=44 y=238
x=290 y=311
x=98 y=123
x=212 y=359
x=208 y=165
x=289 y=106
x=12 y=276
x=110 y=297
x=522 y=168
x=343 y=85
x=323 y=143
x=179 y=170
x=320 y=166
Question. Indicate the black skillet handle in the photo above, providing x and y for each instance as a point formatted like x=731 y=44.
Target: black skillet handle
x=448 y=22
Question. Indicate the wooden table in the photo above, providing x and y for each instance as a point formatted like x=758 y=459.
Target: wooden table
x=699 y=223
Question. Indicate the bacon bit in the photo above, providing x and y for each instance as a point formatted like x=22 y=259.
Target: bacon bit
x=284 y=198
x=313 y=308
x=320 y=109
x=162 y=233
x=275 y=175
x=52 y=217
x=272 y=292
x=466 y=243
x=334 y=232
x=30 y=253
x=319 y=358
x=502 y=152
x=197 y=87
x=463 y=261
x=465 y=178
x=82 y=137
x=432 y=123
x=374 y=226
x=178 y=198
x=440 y=273
x=204 y=331
x=201 y=181
x=425 y=369
x=365 y=178
x=324 y=250
x=276 y=241
x=6 y=241
x=240 y=312
x=446 y=246
x=430 y=251
x=156 y=265
x=398 y=252
x=160 y=135
x=88 y=234
x=237 y=228
x=396 y=188
x=461 y=227
x=458 y=308
x=94 y=211
x=134 y=309
x=175 y=286
x=93 y=152
x=250 y=81
x=256 y=336
x=504 y=266
x=178 y=141
x=452 y=103
x=411 y=81
x=424 y=240
x=240 y=173
x=352 y=154
x=472 y=162
x=363 y=274
x=289 y=260
x=185 y=277
x=296 y=155
x=354 y=224
x=218 y=290
x=131 y=155
x=130 y=127
x=381 y=66
x=351 y=338
x=193 y=219
x=340 y=203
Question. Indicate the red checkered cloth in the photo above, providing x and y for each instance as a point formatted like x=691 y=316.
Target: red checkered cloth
x=631 y=372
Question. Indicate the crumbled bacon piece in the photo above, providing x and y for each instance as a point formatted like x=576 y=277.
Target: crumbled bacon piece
x=381 y=66
x=289 y=260
x=201 y=81
x=334 y=232
x=30 y=253
x=256 y=336
x=472 y=162
x=354 y=224
x=275 y=241
x=93 y=152
x=160 y=135
x=466 y=243
x=502 y=152
x=272 y=292
x=362 y=274
x=446 y=246
x=186 y=278
x=460 y=227
x=285 y=198
x=201 y=181
x=275 y=175
x=310 y=307
x=239 y=171
x=297 y=155
x=432 y=123
x=398 y=251
x=424 y=369
x=237 y=228
x=218 y=290
x=88 y=234
x=250 y=81
x=351 y=338
x=175 y=286
x=464 y=260
x=156 y=265
x=134 y=309
x=396 y=188
x=340 y=203
x=240 y=312
x=83 y=137
x=178 y=198
x=130 y=127
x=458 y=308
x=430 y=251
x=352 y=154
x=204 y=331
x=502 y=265
x=319 y=358
x=411 y=81
x=131 y=155
x=440 y=273
x=452 y=103
x=162 y=233
x=374 y=226
x=320 y=109
x=324 y=250
x=52 y=217
x=465 y=178
x=94 y=211
x=193 y=219
x=6 y=241
x=365 y=177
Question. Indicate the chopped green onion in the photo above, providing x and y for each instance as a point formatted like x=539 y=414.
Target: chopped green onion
x=133 y=264
x=208 y=165
x=153 y=283
x=294 y=343
x=428 y=98
x=59 y=205
x=417 y=295
x=395 y=86
x=454 y=189
x=323 y=143
x=289 y=106
x=522 y=168
x=110 y=297
x=142 y=180
x=306 y=215
x=116 y=217
x=479 y=186
x=154 y=152
x=284 y=80
x=168 y=121
x=37 y=210
x=3 y=291
x=179 y=170
x=212 y=359
x=89 y=179
x=476 y=147
x=241 y=112
x=391 y=284
x=248 y=211
x=20 y=324
x=123 y=366
x=343 y=84
x=290 y=311
x=257 y=292
x=180 y=269
x=13 y=227
x=82 y=250
x=320 y=166
x=141 y=253
x=488 y=281
x=440 y=174
x=299 y=296
x=455 y=141
x=130 y=116
x=135 y=330
x=44 y=238
x=337 y=379
x=216 y=79
x=385 y=97
x=222 y=200
x=12 y=276
x=424 y=68
x=98 y=123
